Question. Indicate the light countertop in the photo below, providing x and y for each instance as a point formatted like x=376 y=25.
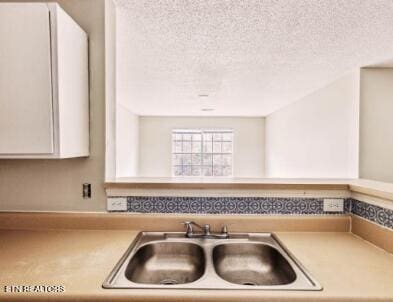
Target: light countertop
x=348 y=268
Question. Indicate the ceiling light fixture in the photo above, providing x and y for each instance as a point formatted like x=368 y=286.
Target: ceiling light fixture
x=203 y=95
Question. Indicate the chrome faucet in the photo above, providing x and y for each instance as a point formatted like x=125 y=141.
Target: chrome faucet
x=206 y=233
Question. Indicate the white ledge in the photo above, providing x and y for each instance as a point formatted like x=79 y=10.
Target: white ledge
x=329 y=187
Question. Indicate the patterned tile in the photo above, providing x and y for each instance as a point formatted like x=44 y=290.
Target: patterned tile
x=228 y=205
x=254 y=205
x=374 y=213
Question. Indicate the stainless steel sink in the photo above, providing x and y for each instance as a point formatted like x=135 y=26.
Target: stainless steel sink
x=241 y=261
x=167 y=263
x=252 y=264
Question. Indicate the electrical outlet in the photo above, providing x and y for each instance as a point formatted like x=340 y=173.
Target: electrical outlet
x=86 y=190
x=333 y=205
x=117 y=204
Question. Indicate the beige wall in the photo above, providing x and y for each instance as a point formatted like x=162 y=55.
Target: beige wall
x=317 y=136
x=376 y=124
x=156 y=145
x=56 y=185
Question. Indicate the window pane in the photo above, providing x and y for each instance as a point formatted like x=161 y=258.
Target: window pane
x=207 y=136
x=177 y=159
x=177 y=171
x=196 y=159
x=207 y=159
x=187 y=136
x=186 y=170
x=227 y=136
x=177 y=147
x=202 y=153
x=187 y=147
x=217 y=136
x=177 y=136
x=207 y=147
x=207 y=171
x=217 y=171
x=196 y=137
x=226 y=171
x=217 y=159
x=226 y=147
x=216 y=147
x=186 y=159
x=226 y=160
x=196 y=171
x=196 y=147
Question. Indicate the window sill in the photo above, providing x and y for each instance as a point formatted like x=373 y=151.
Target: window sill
x=282 y=187
x=226 y=183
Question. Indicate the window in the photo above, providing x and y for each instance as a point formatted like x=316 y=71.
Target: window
x=202 y=152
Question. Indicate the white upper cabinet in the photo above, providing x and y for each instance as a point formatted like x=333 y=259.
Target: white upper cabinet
x=44 y=96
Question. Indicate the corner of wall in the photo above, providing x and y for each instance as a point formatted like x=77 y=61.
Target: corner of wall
x=110 y=90
x=297 y=135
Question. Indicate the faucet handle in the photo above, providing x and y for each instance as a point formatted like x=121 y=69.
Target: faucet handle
x=206 y=229
x=188 y=225
x=224 y=229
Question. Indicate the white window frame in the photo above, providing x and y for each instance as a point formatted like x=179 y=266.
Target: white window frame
x=203 y=130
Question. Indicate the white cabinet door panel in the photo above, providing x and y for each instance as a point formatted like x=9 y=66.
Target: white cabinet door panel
x=26 y=113
x=72 y=68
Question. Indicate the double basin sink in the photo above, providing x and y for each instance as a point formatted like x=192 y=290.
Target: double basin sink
x=241 y=261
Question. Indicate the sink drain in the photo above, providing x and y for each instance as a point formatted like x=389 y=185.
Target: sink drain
x=249 y=283
x=168 y=282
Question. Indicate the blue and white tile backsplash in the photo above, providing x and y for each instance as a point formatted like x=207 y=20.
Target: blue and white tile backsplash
x=226 y=205
x=254 y=205
x=371 y=212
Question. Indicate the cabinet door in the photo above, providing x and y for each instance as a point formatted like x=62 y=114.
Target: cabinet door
x=26 y=113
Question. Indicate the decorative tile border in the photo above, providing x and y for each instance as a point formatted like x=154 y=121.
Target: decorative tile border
x=254 y=205
x=374 y=213
x=229 y=205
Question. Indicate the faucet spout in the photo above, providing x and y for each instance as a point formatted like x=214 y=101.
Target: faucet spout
x=205 y=231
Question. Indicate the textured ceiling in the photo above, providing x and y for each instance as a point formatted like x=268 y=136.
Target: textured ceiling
x=250 y=57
